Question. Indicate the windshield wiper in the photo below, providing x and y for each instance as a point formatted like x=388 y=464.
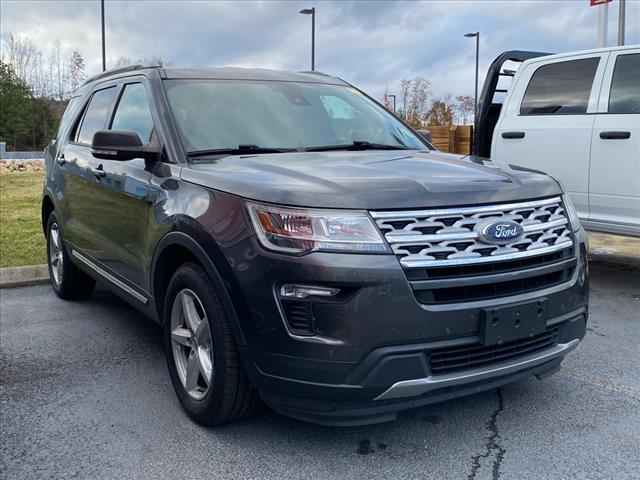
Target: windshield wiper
x=240 y=150
x=357 y=145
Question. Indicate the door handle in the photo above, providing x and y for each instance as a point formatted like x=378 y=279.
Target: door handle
x=615 y=135
x=61 y=160
x=512 y=135
x=98 y=172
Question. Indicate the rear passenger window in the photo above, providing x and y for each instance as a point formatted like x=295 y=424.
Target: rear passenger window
x=133 y=112
x=560 y=88
x=95 y=117
x=625 y=86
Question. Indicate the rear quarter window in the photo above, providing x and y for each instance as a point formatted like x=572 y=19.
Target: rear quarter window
x=561 y=88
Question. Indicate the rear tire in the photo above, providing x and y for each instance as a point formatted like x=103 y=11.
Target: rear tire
x=67 y=280
x=202 y=356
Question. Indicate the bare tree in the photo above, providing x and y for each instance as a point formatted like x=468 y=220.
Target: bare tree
x=20 y=53
x=76 y=70
x=59 y=69
x=419 y=96
x=405 y=88
x=124 y=61
x=465 y=107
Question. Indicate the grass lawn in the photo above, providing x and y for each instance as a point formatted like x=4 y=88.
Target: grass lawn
x=21 y=239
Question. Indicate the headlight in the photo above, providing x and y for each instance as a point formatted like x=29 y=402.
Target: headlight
x=572 y=213
x=298 y=230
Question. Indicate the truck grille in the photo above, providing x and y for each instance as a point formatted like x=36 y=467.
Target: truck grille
x=446 y=262
x=450 y=360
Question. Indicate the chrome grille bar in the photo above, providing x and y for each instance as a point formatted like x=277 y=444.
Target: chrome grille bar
x=447 y=237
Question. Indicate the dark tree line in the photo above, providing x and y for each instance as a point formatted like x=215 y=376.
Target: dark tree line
x=35 y=86
x=27 y=122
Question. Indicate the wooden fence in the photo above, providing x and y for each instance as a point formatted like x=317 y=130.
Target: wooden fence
x=454 y=139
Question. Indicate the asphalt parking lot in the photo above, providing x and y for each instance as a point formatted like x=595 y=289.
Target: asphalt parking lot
x=85 y=394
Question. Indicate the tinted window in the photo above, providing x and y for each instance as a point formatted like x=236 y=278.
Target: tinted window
x=133 y=112
x=625 y=86
x=560 y=88
x=95 y=118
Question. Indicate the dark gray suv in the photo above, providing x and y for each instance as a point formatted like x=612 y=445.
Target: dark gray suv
x=302 y=247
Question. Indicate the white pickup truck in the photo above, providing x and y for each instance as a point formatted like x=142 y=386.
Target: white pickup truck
x=577 y=117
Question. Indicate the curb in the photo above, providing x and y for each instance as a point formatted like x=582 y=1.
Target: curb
x=614 y=250
x=23 y=276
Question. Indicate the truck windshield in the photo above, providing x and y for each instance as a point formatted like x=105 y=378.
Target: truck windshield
x=229 y=115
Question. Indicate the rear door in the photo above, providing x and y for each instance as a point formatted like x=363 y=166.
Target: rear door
x=548 y=120
x=614 y=192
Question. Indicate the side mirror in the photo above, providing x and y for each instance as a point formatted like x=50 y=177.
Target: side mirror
x=121 y=145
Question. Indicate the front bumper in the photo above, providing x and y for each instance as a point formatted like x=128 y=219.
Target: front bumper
x=369 y=357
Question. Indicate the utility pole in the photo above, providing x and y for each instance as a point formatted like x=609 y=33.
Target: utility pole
x=603 y=23
x=621 y=22
x=104 y=54
x=475 y=98
x=394 y=102
x=312 y=12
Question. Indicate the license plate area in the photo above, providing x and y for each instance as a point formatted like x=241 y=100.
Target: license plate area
x=513 y=322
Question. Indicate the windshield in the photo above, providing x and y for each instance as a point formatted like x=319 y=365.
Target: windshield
x=224 y=114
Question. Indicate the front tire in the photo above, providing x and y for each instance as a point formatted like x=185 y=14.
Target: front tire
x=67 y=280
x=202 y=356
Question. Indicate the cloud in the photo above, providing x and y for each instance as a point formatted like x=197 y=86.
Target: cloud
x=373 y=44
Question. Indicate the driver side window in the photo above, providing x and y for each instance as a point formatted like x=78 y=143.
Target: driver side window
x=133 y=112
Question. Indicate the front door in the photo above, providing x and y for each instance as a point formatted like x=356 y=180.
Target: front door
x=614 y=192
x=81 y=205
x=123 y=192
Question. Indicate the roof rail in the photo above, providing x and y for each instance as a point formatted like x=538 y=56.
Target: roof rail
x=315 y=72
x=113 y=71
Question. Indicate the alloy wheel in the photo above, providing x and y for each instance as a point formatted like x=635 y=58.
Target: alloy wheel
x=56 y=257
x=192 y=344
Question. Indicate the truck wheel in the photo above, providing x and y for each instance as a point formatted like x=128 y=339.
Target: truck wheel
x=201 y=352
x=67 y=280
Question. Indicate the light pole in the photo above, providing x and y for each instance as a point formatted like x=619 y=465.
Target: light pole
x=394 y=102
x=312 y=12
x=104 y=57
x=475 y=98
x=621 y=22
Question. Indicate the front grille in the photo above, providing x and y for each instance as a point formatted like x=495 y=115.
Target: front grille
x=455 y=359
x=444 y=244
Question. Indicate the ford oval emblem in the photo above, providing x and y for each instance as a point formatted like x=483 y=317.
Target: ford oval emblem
x=499 y=232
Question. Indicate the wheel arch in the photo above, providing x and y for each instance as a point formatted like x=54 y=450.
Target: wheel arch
x=189 y=243
x=46 y=208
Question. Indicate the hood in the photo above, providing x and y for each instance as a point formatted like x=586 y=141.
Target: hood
x=370 y=180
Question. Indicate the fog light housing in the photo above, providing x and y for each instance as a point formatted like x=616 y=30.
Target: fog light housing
x=305 y=291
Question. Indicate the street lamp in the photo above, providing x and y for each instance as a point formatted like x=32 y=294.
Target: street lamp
x=394 y=102
x=312 y=12
x=104 y=57
x=475 y=98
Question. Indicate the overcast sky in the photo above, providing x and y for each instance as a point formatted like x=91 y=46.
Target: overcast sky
x=373 y=44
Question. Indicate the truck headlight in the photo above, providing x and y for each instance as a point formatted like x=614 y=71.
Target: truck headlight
x=572 y=213
x=301 y=230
